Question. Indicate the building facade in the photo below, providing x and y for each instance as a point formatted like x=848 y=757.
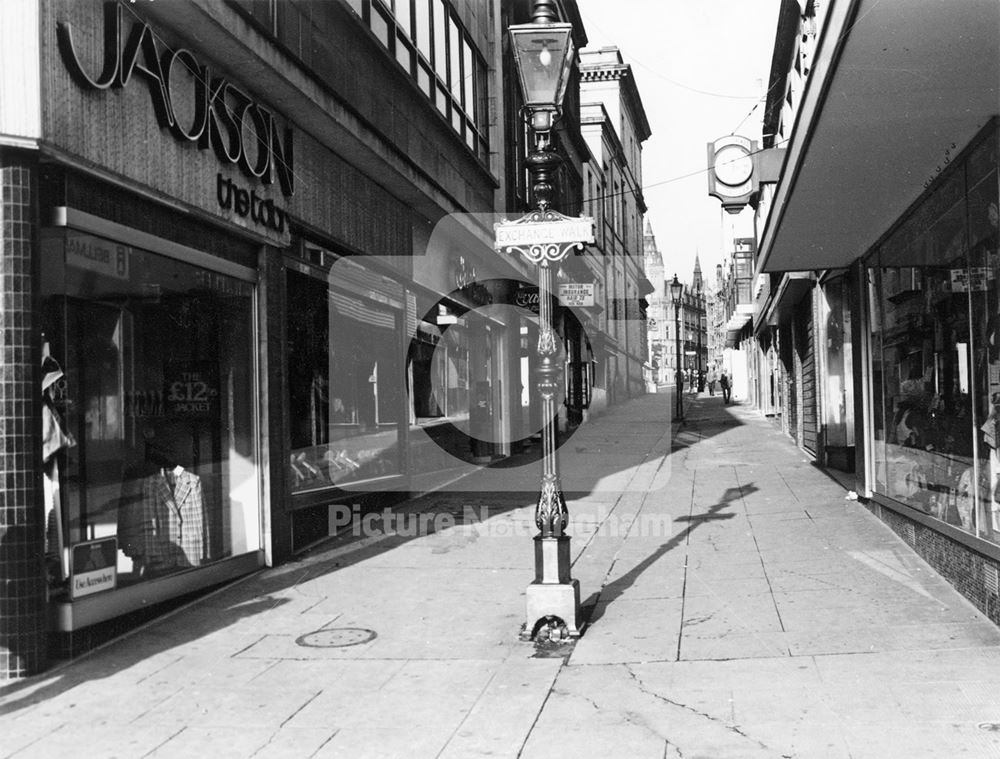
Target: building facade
x=614 y=125
x=251 y=288
x=658 y=313
x=733 y=316
x=877 y=267
x=693 y=335
x=233 y=259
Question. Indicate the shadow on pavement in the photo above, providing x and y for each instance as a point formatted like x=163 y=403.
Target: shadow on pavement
x=260 y=592
x=599 y=601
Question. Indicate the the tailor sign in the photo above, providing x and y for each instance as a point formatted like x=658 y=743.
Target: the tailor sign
x=243 y=203
x=189 y=99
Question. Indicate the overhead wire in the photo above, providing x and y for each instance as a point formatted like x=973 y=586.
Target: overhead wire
x=603 y=196
x=660 y=75
x=677 y=178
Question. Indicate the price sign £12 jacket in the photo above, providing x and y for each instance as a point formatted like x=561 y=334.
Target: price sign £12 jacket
x=191 y=389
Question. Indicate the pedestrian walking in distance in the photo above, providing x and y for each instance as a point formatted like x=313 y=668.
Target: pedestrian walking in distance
x=713 y=378
x=724 y=384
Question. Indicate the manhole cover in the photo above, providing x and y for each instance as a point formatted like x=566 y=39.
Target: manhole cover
x=336 y=637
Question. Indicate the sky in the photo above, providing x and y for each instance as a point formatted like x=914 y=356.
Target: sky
x=701 y=69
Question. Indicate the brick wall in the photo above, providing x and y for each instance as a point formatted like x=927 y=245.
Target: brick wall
x=22 y=576
x=965 y=569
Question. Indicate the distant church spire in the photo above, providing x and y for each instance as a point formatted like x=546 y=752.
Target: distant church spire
x=698 y=284
x=652 y=259
x=649 y=241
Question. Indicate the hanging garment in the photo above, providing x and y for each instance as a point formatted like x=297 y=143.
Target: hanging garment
x=164 y=526
x=965 y=500
x=54 y=439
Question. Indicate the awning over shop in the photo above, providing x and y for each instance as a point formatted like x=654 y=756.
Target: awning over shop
x=898 y=87
x=740 y=318
x=790 y=291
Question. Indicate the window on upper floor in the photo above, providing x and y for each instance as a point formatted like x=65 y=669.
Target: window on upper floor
x=615 y=218
x=623 y=231
x=425 y=37
x=743 y=265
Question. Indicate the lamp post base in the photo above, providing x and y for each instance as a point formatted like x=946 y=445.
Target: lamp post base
x=553 y=598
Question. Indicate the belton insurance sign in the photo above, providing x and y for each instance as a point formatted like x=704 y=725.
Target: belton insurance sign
x=576 y=294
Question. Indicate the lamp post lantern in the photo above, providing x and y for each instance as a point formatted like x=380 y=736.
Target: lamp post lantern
x=676 y=293
x=543 y=55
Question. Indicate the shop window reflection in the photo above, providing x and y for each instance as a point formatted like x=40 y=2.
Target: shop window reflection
x=934 y=306
x=158 y=403
x=344 y=386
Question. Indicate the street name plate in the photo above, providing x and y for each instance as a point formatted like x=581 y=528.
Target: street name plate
x=544 y=232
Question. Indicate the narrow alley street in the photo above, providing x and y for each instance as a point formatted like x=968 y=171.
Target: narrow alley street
x=738 y=603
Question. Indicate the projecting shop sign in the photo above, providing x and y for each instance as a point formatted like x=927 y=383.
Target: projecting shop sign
x=576 y=294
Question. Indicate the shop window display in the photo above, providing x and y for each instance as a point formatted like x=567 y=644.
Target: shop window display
x=150 y=409
x=837 y=359
x=345 y=384
x=440 y=366
x=936 y=350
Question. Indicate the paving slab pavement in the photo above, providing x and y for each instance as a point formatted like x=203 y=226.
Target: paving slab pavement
x=738 y=606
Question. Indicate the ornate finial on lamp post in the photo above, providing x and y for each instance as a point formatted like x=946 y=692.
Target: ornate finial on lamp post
x=545 y=12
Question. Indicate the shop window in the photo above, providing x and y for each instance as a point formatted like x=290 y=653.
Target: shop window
x=150 y=397
x=838 y=392
x=440 y=365
x=345 y=385
x=936 y=350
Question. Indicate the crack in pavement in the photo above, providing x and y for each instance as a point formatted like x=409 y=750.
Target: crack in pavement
x=567 y=694
x=697 y=620
x=715 y=720
x=631 y=717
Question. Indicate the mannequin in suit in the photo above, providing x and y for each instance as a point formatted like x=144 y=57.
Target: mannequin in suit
x=162 y=524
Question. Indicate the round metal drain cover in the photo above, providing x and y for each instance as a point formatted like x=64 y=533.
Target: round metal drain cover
x=336 y=637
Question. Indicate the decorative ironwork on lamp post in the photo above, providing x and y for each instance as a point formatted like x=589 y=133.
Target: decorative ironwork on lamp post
x=543 y=55
x=676 y=293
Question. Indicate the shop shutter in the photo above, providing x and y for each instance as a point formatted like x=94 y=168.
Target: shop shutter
x=806 y=350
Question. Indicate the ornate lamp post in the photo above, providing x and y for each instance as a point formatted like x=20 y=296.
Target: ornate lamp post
x=701 y=321
x=676 y=293
x=543 y=55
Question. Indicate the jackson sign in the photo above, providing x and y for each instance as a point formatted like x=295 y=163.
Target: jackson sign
x=210 y=111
